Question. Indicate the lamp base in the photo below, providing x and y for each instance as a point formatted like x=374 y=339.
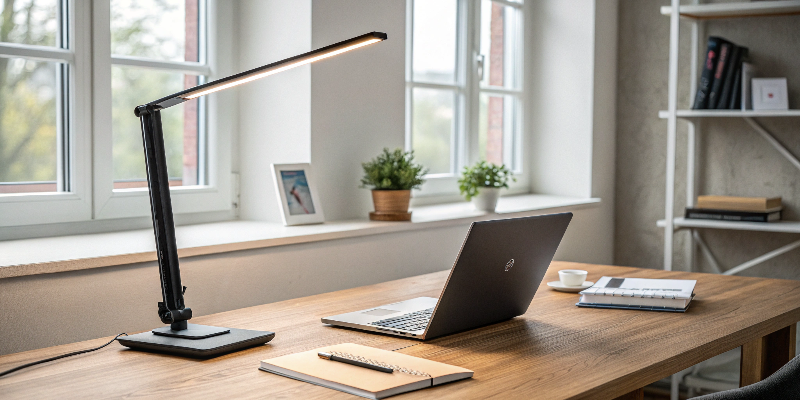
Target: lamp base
x=217 y=344
x=192 y=331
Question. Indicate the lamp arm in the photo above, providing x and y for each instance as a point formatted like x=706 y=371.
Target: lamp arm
x=172 y=309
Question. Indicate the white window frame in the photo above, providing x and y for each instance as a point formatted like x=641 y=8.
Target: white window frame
x=466 y=108
x=90 y=195
x=75 y=204
x=124 y=203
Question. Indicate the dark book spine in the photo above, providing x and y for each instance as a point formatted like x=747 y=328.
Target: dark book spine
x=719 y=74
x=730 y=76
x=707 y=75
x=724 y=215
x=736 y=97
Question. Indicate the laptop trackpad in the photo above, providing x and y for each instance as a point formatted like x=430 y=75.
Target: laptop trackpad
x=378 y=312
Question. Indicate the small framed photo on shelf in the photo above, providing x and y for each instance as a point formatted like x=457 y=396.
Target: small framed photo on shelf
x=297 y=194
x=770 y=94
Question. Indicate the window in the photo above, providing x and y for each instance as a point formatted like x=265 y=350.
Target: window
x=31 y=96
x=71 y=73
x=464 y=86
x=150 y=43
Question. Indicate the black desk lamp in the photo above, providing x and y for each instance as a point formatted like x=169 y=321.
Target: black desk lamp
x=181 y=337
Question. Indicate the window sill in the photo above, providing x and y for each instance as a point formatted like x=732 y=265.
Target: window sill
x=78 y=252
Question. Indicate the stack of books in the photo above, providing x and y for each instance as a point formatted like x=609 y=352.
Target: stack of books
x=639 y=294
x=725 y=79
x=731 y=208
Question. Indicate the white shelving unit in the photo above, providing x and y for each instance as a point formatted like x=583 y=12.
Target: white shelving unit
x=697 y=14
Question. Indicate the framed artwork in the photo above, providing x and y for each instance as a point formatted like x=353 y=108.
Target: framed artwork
x=770 y=94
x=297 y=194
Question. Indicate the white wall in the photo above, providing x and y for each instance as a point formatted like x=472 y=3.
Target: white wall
x=571 y=76
x=274 y=112
x=561 y=96
x=334 y=114
x=357 y=99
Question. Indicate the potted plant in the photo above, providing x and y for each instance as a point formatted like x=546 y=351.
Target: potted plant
x=391 y=176
x=481 y=184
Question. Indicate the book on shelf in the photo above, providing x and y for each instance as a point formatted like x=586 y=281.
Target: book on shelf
x=748 y=70
x=736 y=95
x=728 y=215
x=725 y=77
x=639 y=294
x=409 y=372
x=707 y=75
x=738 y=203
x=735 y=102
x=730 y=76
x=723 y=65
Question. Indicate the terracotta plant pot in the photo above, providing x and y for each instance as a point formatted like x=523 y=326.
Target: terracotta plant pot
x=390 y=205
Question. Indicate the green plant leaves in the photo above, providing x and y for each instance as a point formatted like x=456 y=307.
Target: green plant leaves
x=483 y=174
x=393 y=170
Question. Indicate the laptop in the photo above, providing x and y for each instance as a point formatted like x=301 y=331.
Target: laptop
x=497 y=271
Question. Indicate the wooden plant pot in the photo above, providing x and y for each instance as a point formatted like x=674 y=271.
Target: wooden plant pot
x=390 y=205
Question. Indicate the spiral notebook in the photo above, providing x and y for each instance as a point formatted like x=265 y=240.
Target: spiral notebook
x=410 y=373
x=640 y=294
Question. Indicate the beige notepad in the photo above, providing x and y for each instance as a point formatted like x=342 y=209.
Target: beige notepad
x=308 y=367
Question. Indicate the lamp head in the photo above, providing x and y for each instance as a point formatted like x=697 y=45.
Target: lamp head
x=264 y=71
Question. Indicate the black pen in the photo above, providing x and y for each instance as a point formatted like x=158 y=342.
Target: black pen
x=331 y=357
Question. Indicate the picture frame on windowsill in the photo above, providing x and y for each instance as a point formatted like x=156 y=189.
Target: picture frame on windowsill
x=297 y=194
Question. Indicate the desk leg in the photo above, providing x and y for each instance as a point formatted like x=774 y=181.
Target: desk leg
x=637 y=394
x=764 y=356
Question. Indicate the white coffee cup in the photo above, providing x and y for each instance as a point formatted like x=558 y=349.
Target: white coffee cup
x=572 y=277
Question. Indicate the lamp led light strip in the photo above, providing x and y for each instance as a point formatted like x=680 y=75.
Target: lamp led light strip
x=276 y=70
x=270 y=69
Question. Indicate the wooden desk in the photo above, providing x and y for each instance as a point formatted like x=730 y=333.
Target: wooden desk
x=556 y=350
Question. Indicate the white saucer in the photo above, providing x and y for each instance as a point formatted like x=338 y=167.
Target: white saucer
x=557 y=285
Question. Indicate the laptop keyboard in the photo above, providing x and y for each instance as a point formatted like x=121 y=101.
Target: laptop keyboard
x=415 y=321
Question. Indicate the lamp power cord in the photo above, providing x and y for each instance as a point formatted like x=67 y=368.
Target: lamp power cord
x=15 y=369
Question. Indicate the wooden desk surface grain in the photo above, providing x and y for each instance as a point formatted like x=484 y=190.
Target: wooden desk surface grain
x=556 y=350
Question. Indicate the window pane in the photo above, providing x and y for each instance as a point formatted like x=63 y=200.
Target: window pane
x=29 y=22
x=159 y=29
x=132 y=86
x=28 y=133
x=435 y=41
x=432 y=128
x=497 y=129
x=499 y=44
